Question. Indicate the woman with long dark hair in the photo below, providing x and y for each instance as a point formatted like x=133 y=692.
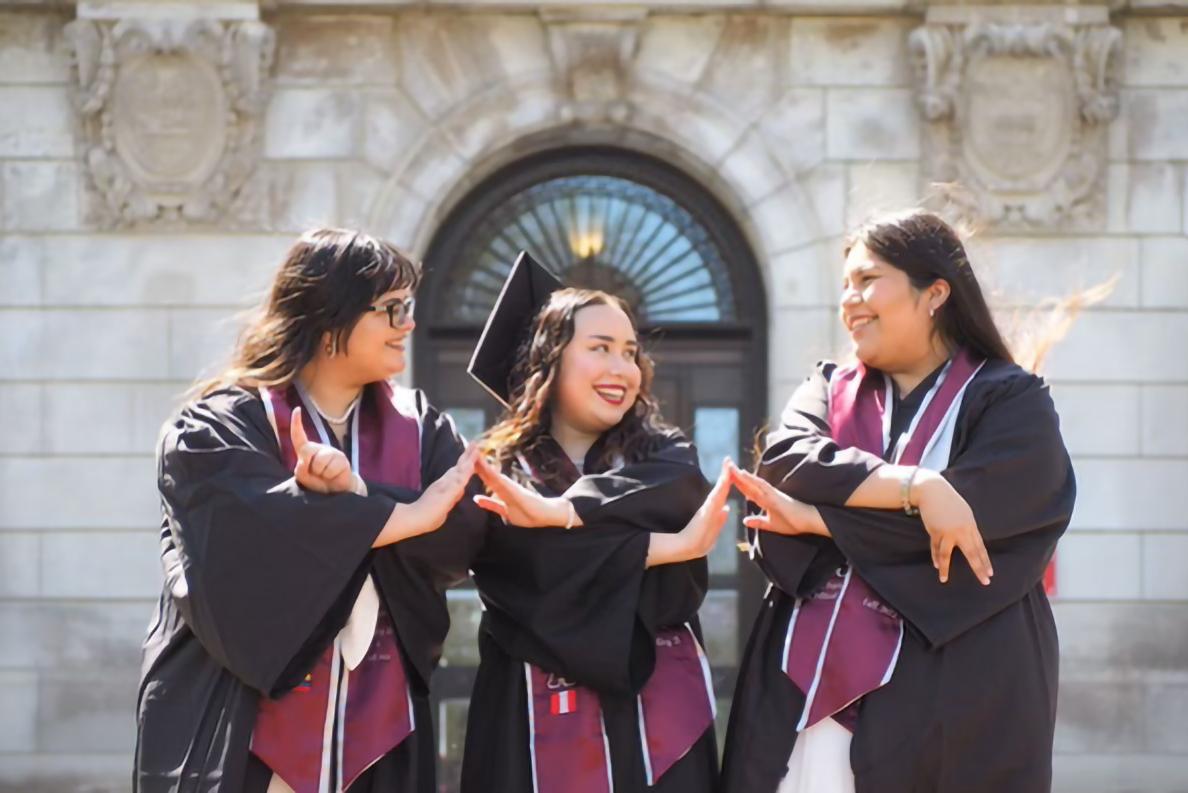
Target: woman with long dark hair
x=592 y=676
x=305 y=546
x=882 y=661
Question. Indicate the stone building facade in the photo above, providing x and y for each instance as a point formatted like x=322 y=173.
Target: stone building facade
x=158 y=156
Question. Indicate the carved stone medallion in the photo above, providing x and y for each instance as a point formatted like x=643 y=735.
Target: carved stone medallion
x=1017 y=116
x=171 y=115
x=592 y=47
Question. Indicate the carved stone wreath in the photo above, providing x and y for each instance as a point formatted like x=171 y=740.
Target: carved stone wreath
x=171 y=114
x=1018 y=116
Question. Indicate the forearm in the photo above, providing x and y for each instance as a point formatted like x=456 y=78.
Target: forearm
x=667 y=549
x=884 y=488
x=405 y=521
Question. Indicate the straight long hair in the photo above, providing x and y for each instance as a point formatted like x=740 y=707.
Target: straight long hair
x=927 y=248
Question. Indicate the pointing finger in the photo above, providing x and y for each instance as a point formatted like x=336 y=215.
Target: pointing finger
x=297 y=432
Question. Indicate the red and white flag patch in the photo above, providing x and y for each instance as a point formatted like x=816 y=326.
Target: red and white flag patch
x=563 y=702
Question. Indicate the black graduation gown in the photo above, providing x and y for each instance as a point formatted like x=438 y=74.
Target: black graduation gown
x=580 y=603
x=971 y=705
x=260 y=576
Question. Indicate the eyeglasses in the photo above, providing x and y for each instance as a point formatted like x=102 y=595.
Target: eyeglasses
x=399 y=311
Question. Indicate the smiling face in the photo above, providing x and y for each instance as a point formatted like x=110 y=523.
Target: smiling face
x=887 y=318
x=599 y=378
x=375 y=350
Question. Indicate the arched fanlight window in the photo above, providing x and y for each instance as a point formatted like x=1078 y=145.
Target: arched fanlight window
x=603 y=232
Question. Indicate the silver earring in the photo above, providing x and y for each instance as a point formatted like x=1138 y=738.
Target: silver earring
x=932 y=312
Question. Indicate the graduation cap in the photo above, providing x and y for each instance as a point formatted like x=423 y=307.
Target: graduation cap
x=524 y=293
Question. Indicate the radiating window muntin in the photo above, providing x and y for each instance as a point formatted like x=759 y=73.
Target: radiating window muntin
x=603 y=232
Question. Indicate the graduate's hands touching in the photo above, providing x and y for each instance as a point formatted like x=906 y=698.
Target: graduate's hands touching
x=444 y=494
x=781 y=514
x=950 y=524
x=320 y=468
x=698 y=536
x=429 y=512
x=519 y=505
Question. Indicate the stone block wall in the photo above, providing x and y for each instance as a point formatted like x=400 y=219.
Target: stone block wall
x=801 y=121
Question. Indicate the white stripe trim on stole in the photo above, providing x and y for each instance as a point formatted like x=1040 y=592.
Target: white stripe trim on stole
x=808 y=702
x=355 y=442
x=643 y=740
x=531 y=727
x=307 y=403
x=404 y=400
x=829 y=394
x=328 y=726
x=894 y=658
x=338 y=688
x=342 y=702
x=788 y=636
x=266 y=398
x=944 y=430
x=523 y=461
x=610 y=776
x=888 y=401
x=705 y=672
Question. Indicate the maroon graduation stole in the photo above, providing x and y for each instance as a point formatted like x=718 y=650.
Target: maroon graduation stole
x=567 y=735
x=371 y=705
x=843 y=641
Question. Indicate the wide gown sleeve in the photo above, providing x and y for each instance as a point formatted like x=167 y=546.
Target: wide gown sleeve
x=1012 y=468
x=581 y=602
x=263 y=572
x=803 y=461
x=414 y=574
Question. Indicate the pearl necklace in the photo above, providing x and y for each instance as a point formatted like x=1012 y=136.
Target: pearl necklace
x=337 y=421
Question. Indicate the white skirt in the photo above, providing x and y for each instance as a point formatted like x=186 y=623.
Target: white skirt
x=820 y=761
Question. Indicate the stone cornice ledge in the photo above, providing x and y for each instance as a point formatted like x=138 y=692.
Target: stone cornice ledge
x=804 y=7
x=815 y=7
x=168 y=9
x=232 y=9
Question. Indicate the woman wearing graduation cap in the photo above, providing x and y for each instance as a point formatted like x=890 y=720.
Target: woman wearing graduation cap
x=911 y=502
x=592 y=678
x=306 y=547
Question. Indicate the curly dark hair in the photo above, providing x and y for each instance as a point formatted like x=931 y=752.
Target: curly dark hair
x=525 y=424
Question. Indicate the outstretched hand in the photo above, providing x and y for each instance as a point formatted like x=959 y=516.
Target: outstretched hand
x=518 y=505
x=700 y=534
x=781 y=514
x=707 y=522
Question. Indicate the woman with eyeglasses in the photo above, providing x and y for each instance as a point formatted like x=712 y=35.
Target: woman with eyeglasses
x=311 y=522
